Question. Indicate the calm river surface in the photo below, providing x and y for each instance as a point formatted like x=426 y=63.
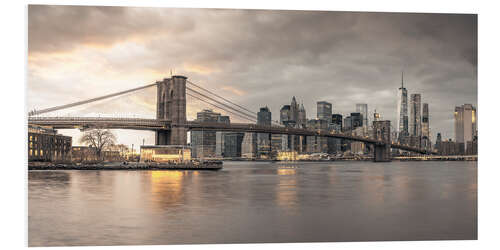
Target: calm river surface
x=255 y=202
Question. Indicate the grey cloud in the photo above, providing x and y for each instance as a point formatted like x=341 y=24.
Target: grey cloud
x=341 y=57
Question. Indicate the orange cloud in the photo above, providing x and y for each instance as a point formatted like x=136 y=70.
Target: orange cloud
x=234 y=90
x=200 y=69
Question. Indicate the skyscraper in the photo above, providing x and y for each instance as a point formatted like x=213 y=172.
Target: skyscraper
x=362 y=108
x=465 y=124
x=356 y=120
x=294 y=110
x=402 y=121
x=337 y=122
x=203 y=143
x=285 y=115
x=324 y=111
x=302 y=119
x=415 y=115
x=263 y=139
x=426 y=139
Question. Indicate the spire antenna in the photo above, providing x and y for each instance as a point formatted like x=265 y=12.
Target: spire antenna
x=402 y=79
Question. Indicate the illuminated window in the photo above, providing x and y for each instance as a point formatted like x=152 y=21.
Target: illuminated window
x=31 y=152
x=41 y=152
x=36 y=153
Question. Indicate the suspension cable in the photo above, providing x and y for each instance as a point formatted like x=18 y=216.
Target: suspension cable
x=221 y=103
x=231 y=112
x=70 y=105
x=239 y=106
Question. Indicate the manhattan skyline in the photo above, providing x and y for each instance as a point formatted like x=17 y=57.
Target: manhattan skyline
x=255 y=58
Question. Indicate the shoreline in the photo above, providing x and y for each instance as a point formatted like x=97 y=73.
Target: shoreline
x=211 y=166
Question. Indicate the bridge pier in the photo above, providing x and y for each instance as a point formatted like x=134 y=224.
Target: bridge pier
x=382 y=131
x=382 y=153
x=171 y=106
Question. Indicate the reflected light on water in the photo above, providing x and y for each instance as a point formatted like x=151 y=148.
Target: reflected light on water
x=166 y=188
x=286 y=190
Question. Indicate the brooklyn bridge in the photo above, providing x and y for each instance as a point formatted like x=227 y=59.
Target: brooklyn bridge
x=171 y=125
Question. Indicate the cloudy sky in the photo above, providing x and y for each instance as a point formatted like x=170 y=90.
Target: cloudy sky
x=252 y=57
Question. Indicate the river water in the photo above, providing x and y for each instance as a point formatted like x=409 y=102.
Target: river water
x=255 y=202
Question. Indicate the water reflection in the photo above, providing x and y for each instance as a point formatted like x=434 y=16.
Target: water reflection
x=167 y=188
x=286 y=190
x=255 y=202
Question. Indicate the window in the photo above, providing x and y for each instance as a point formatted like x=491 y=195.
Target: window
x=31 y=152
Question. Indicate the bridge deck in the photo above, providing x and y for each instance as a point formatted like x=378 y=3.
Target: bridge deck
x=155 y=124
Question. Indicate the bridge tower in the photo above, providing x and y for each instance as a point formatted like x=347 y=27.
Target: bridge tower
x=382 y=131
x=171 y=105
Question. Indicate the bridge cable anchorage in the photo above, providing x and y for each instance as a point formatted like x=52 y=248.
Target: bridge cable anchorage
x=221 y=103
x=74 y=104
x=239 y=106
x=231 y=112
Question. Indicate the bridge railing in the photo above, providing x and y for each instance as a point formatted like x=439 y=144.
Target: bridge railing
x=139 y=121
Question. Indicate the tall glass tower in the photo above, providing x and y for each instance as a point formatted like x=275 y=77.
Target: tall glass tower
x=415 y=115
x=363 y=109
x=402 y=118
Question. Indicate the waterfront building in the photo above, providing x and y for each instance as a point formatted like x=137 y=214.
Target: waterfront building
x=249 y=146
x=204 y=143
x=220 y=137
x=402 y=110
x=45 y=144
x=317 y=144
x=450 y=147
x=233 y=144
x=165 y=153
x=415 y=115
x=276 y=145
x=89 y=154
x=263 y=139
x=465 y=123
x=324 y=111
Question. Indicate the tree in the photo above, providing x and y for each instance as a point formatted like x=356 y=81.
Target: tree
x=99 y=139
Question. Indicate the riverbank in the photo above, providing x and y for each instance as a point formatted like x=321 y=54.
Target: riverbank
x=212 y=165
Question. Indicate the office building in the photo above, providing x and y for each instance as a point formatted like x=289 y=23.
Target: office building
x=45 y=144
x=263 y=139
x=204 y=144
x=426 y=138
x=465 y=124
x=233 y=144
x=415 y=123
x=402 y=109
x=324 y=111
x=356 y=120
x=362 y=108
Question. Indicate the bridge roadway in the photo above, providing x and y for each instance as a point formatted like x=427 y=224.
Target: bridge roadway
x=155 y=124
